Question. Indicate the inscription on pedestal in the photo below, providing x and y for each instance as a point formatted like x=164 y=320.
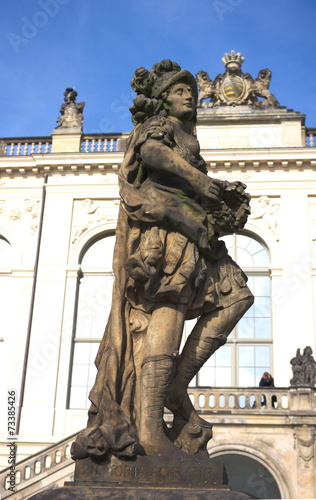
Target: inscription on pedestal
x=152 y=470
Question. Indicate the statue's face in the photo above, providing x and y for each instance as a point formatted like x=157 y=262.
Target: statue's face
x=180 y=103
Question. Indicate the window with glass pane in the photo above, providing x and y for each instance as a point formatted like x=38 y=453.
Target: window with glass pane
x=94 y=293
x=247 y=353
x=217 y=370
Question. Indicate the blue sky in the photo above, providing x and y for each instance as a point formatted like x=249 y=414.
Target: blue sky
x=95 y=46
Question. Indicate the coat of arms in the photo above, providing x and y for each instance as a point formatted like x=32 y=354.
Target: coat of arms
x=235 y=87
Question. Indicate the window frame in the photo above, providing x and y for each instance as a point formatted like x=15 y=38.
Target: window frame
x=96 y=271
x=233 y=340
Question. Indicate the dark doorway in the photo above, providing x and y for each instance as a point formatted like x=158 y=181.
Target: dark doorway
x=249 y=476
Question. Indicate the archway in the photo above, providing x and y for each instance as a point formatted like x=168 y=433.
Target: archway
x=249 y=476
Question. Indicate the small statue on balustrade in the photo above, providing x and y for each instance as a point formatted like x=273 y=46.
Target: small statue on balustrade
x=304 y=368
x=169 y=265
x=70 y=111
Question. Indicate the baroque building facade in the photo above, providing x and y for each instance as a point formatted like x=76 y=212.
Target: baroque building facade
x=58 y=211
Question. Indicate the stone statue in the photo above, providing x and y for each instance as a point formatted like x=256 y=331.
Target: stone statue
x=169 y=266
x=235 y=87
x=265 y=211
x=70 y=111
x=304 y=368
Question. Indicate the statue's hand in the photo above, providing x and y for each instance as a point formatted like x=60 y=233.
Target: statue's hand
x=213 y=190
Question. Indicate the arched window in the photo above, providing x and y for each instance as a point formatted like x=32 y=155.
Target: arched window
x=248 y=351
x=94 y=294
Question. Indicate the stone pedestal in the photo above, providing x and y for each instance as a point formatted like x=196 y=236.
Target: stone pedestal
x=248 y=127
x=146 y=478
x=66 y=140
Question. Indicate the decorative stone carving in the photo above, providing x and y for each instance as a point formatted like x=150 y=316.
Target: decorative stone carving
x=264 y=211
x=169 y=265
x=70 y=111
x=89 y=213
x=304 y=437
x=25 y=213
x=304 y=368
x=15 y=214
x=235 y=87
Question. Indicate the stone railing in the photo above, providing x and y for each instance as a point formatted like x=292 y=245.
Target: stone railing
x=98 y=143
x=24 y=146
x=244 y=400
x=310 y=137
x=32 y=469
x=90 y=143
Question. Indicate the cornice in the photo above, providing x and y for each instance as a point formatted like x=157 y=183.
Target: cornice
x=220 y=159
x=60 y=163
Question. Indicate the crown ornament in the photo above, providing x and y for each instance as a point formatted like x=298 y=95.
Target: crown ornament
x=233 y=57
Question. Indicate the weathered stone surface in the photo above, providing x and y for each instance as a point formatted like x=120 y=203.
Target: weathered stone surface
x=158 y=471
x=169 y=265
x=70 y=111
x=126 y=492
x=304 y=368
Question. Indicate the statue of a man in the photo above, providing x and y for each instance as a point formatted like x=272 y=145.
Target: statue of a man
x=169 y=266
x=70 y=111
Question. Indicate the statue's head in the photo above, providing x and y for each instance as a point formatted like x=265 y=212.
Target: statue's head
x=158 y=87
x=70 y=95
x=307 y=351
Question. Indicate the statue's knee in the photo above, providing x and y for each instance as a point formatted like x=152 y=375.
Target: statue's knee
x=215 y=338
x=221 y=338
x=246 y=303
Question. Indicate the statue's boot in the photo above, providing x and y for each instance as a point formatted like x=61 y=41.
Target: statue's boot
x=195 y=353
x=156 y=374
